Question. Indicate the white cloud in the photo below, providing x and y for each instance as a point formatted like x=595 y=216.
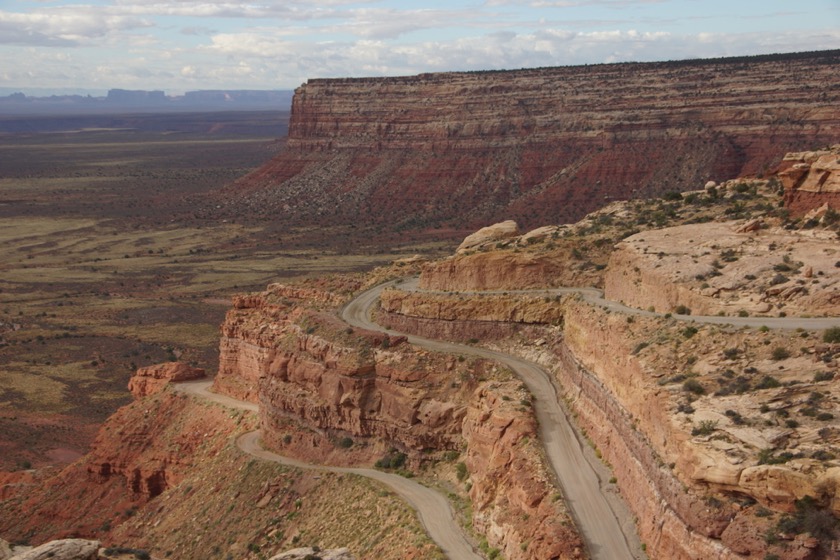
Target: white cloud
x=62 y=26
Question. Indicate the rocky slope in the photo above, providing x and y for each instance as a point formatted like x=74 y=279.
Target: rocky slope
x=438 y=152
x=723 y=441
x=164 y=477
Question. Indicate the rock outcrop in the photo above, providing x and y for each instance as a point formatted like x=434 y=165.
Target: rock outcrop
x=514 y=501
x=727 y=268
x=322 y=385
x=309 y=553
x=447 y=153
x=66 y=549
x=142 y=450
x=489 y=234
x=153 y=379
x=811 y=180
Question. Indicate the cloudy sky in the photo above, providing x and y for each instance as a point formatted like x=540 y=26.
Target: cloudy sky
x=180 y=45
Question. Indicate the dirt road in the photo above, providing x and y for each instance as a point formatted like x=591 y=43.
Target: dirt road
x=434 y=511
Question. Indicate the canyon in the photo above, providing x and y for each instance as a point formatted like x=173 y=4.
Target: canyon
x=672 y=331
x=444 y=154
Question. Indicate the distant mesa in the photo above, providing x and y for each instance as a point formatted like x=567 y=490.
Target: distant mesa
x=146 y=101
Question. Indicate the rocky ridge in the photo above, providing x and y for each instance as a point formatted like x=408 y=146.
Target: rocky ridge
x=540 y=146
x=714 y=434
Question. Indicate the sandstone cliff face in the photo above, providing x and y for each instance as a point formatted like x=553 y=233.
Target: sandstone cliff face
x=525 y=309
x=310 y=366
x=538 y=146
x=514 y=500
x=811 y=179
x=492 y=271
x=665 y=474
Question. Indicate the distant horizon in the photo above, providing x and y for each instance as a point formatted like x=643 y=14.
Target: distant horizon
x=42 y=92
x=188 y=45
x=48 y=92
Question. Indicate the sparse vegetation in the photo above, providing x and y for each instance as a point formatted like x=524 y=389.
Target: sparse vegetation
x=705 y=428
x=831 y=335
x=780 y=353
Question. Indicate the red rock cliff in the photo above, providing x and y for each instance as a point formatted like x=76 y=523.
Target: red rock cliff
x=540 y=146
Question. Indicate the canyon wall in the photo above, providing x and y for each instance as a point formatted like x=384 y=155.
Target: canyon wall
x=452 y=151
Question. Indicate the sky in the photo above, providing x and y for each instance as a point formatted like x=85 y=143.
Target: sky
x=183 y=45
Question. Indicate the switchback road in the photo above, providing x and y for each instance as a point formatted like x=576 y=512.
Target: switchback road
x=434 y=511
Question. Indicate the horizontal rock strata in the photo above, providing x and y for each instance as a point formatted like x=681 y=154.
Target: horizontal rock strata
x=455 y=151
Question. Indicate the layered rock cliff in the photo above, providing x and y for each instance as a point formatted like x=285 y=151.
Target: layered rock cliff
x=437 y=152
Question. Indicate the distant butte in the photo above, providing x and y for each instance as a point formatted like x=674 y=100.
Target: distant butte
x=456 y=151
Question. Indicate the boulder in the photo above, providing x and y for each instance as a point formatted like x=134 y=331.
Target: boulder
x=67 y=549
x=302 y=553
x=489 y=234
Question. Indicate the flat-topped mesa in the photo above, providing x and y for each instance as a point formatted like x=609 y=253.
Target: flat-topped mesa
x=456 y=151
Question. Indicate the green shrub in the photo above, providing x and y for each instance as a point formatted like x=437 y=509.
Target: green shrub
x=682 y=310
x=689 y=331
x=768 y=382
x=731 y=353
x=831 y=335
x=694 y=386
x=392 y=460
x=705 y=428
x=461 y=471
x=780 y=353
x=823 y=376
x=345 y=443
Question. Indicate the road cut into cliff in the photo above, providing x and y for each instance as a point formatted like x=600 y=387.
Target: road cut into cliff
x=606 y=525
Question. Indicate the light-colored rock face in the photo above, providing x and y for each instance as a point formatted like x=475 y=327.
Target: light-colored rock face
x=488 y=235
x=811 y=179
x=493 y=271
x=5 y=550
x=153 y=379
x=521 y=309
x=729 y=268
x=67 y=549
x=307 y=553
